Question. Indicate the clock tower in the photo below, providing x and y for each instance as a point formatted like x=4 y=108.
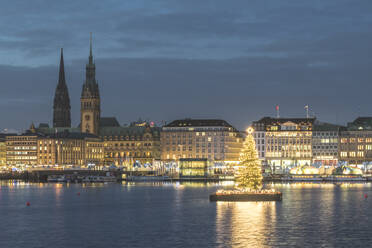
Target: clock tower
x=90 y=108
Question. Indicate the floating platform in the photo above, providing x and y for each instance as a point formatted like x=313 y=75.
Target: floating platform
x=256 y=197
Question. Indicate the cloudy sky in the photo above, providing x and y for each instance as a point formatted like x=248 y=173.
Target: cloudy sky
x=168 y=59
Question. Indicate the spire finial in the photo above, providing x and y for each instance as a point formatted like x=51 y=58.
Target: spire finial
x=90 y=49
x=61 y=56
x=61 y=78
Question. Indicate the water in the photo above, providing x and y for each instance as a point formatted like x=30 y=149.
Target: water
x=180 y=215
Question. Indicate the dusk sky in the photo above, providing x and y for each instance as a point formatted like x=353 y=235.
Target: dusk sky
x=167 y=59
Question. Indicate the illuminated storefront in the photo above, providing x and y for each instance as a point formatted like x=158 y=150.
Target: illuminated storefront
x=325 y=144
x=197 y=167
x=288 y=144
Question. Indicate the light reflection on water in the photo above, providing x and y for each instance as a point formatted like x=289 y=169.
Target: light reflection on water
x=242 y=224
x=157 y=214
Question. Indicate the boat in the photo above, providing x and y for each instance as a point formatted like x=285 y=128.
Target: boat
x=98 y=179
x=56 y=179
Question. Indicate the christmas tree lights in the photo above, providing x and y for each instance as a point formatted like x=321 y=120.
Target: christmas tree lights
x=248 y=178
x=249 y=174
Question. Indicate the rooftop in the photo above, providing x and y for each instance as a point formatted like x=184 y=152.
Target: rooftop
x=324 y=126
x=270 y=120
x=199 y=123
x=108 y=122
x=129 y=131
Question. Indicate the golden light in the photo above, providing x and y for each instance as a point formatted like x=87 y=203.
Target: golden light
x=250 y=130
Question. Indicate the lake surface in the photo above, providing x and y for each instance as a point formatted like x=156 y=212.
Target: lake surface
x=180 y=215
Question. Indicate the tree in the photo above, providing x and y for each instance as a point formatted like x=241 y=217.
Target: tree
x=249 y=174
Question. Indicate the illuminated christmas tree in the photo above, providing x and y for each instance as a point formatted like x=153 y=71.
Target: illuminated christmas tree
x=249 y=175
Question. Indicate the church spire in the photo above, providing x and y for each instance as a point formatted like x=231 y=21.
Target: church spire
x=61 y=79
x=90 y=50
x=61 y=107
x=90 y=87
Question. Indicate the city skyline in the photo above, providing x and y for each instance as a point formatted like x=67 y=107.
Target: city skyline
x=154 y=65
x=186 y=123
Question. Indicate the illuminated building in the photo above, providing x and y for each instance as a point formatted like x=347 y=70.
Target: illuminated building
x=21 y=150
x=193 y=167
x=2 y=150
x=259 y=137
x=214 y=140
x=118 y=145
x=53 y=148
x=65 y=148
x=325 y=143
x=355 y=143
x=287 y=142
x=139 y=142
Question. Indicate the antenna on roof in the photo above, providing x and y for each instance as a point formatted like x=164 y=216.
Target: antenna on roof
x=277 y=111
x=307 y=111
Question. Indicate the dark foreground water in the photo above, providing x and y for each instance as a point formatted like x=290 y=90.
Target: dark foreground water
x=180 y=215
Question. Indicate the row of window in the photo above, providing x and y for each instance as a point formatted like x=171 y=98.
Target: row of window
x=289 y=154
x=352 y=154
x=24 y=148
x=126 y=144
x=209 y=156
x=324 y=147
x=325 y=154
x=286 y=141
x=320 y=134
x=356 y=140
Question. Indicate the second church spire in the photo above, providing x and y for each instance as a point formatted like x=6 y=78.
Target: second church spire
x=61 y=106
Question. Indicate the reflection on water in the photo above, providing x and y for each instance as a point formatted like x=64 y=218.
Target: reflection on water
x=244 y=224
x=164 y=214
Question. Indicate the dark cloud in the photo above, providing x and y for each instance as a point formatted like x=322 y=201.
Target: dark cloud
x=239 y=90
x=171 y=59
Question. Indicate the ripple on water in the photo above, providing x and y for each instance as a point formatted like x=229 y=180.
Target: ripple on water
x=180 y=215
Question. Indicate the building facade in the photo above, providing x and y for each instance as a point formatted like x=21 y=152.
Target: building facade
x=193 y=167
x=355 y=142
x=214 y=140
x=70 y=149
x=21 y=150
x=259 y=131
x=125 y=146
x=53 y=148
x=2 y=150
x=325 y=140
x=287 y=142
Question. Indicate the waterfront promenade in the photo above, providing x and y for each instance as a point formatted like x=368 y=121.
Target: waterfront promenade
x=41 y=175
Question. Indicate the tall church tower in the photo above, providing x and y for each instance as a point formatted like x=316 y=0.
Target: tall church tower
x=90 y=108
x=61 y=106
